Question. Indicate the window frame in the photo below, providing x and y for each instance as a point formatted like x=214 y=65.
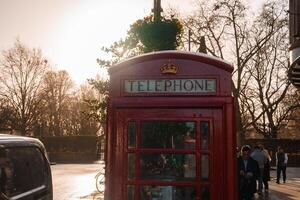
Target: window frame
x=198 y=183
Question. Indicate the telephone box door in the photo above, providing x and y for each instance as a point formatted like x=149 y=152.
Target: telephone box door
x=169 y=154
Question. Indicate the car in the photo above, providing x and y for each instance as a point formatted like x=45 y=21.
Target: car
x=25 y=172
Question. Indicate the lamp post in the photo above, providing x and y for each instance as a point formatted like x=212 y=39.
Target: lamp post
x=157 y=10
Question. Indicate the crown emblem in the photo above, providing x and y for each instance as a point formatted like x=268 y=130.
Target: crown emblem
x=169 y=68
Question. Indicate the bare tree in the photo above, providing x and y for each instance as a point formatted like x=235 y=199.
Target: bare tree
x=7 y=116
x=21 y=74
x=78 y=117
x=267 y=96
x=233 y=35
x=64 y=109
x=56 y=94
x=90 y=118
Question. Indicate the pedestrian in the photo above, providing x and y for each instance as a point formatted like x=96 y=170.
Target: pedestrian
x=261 y=158
x=248 y=172
x=281 y=164
x=266 y=175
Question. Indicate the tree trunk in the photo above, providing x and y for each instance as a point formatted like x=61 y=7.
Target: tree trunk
x=273 y=133
x=23 y=127
x=238 y=120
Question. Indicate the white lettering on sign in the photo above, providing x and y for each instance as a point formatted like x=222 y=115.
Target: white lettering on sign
x=171 y=86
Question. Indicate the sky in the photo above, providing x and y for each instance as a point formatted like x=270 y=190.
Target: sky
x=70 y=33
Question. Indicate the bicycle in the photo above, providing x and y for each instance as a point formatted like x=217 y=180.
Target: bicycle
x=100 y=181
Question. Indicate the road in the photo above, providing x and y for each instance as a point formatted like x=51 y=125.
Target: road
x=77 y=181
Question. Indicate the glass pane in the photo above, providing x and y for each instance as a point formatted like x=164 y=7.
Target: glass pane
x=168 y=167
x=168 y=135
x=204 y=128
x=167 y=193
x=24 y=170
x=130 y=192
x=205 y=194
x=204 y=167
x=131 y=134
x=130 y=166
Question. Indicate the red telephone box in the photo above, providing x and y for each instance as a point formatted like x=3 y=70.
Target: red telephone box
x=171 y=129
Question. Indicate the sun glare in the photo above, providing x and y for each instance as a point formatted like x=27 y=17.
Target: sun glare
x=87 y=27
x=72 y=32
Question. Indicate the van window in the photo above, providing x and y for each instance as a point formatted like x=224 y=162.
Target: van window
x=25 y=170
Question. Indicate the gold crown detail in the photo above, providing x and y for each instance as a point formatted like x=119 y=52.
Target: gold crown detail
x=169 y=68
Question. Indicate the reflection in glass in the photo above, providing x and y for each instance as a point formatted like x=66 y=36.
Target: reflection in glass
x=167 y=193
x=131 y=134
x=130 y=192
x=204 y=129
x=168 y=167
x=130 y=166
x=205 y=167
x=23 y=169
x=205 y=194
x=162 y=134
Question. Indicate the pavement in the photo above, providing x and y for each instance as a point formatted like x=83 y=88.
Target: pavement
x=283 y=191
x=77 y=182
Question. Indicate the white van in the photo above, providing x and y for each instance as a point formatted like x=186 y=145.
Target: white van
x=25 y=172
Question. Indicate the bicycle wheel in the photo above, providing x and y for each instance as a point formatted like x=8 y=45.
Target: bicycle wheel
x=100 y=182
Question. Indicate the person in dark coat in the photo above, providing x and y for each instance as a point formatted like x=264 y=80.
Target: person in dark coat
x=248 y=173
x=281 y=163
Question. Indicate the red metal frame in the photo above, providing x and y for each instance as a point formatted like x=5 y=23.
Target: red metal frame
x=217 y=108
x=198 y=183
